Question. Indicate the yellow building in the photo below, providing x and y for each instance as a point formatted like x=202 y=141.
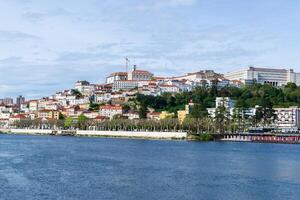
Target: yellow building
x=181 y=115
x=166 y=115
x=33 y=105
x=84 y=106
x=48 y=114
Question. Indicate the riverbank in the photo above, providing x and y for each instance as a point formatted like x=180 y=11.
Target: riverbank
x=90 y=133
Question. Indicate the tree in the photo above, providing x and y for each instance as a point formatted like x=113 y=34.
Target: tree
x=61 y=116
x=222 y=117
x=198 y=111
x=143 y=111
x=94 y=107
x=68 y=122
x=76 y=93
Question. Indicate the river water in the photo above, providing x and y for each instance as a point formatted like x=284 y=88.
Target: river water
x=71 y=168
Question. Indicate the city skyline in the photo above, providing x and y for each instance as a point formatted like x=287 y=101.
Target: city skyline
x=46 y=46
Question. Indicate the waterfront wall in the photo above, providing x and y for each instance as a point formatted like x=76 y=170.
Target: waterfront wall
x=175 y=135
x=31 y=131
x=136 y=134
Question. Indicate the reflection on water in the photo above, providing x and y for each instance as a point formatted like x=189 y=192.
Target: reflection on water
x=41 y=167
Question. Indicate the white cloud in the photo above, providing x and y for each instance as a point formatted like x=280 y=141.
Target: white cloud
x=161 y=4
x=174 y=3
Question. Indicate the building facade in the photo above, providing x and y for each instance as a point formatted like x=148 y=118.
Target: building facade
x=139 y=75
x=117 y=76
x=125 y=85
x=287 y=118
x=273 y=76
x=110 y=110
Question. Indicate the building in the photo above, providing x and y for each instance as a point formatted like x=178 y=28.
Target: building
x=139 y=75
x=287 y=118
x=20 y=100
x=153 y=115
x=198 y=76
x=16 y=118
x=169 y=88
x=33 y=105
x=110 y=110
x=273 y=76
x=7 y=101
x=48 y=114
x=117 y=76
x=227 y=102
x=84 y=87
x=125 y=85
x=182 y=114
x=6 y=108
x=132 y=115
x=166 y=115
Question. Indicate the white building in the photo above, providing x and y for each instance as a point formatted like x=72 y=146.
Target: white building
x=125 y=85
x=287 y=118
x=227 y=102
x=110 y=110
x=273 y=76
x=84 y=87
x=117 y=76
x=198 y=76
x=169 y=89
x=139 y=75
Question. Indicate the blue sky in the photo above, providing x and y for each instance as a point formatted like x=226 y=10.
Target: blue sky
x=48 y=45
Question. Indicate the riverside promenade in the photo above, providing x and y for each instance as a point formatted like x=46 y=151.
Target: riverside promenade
x=91 y=133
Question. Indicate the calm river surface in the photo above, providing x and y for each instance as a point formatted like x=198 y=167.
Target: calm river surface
x=71 y=168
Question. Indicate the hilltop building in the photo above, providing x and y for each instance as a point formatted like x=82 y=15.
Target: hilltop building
x=139 y=75
x=84 y=87
x=117 y=76
x=199 y=76
x=273 y=76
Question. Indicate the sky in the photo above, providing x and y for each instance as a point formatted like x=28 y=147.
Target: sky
x=46 y=46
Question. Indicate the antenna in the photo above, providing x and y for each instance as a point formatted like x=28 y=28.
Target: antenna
x=127 y=62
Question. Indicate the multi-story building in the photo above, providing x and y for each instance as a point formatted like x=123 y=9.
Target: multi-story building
x=48 y=114
x=6 y=108
x=169 y=89
x=125 y=85
x=7 y=101
x=117 y=76
x=110 y=110
x=33 y=105
x=273 y=76
x=84 y=87
x=139 y=75
x=287 y=118
x=153 y=115
x=20 y=99
x=198 y=76
x=182 y=114
x=227 y=102
x=132 y=115
x=166 y=115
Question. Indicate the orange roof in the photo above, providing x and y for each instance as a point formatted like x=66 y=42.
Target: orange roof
x=140 y=72
x=100 y=117
x=118 y=74
x=111 y=107
x=19 y=116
